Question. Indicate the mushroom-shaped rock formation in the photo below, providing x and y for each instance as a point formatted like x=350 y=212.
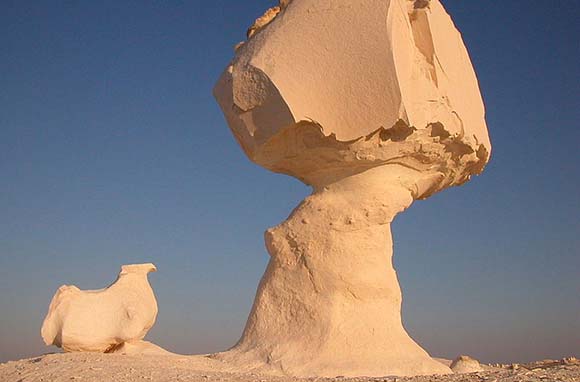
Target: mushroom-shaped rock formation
x=102 y=320
x=465 y=364
x=374 y=103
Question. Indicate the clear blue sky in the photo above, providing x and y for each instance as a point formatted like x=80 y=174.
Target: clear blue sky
x=113 y=151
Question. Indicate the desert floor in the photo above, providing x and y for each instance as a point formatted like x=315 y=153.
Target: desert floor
x=121 y=368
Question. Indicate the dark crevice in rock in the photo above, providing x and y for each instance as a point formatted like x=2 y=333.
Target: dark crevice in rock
x=421 y=4
x=398 y=133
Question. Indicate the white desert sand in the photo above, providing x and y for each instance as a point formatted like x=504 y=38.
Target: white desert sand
x=93 y=367
x=373 y=103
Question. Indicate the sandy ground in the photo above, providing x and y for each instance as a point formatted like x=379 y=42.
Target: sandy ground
x=90 y=367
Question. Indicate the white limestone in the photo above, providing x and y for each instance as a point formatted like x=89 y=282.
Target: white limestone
x=374 y=103
x=102 y=320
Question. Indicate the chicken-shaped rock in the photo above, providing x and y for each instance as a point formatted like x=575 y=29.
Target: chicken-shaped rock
x=102 y=320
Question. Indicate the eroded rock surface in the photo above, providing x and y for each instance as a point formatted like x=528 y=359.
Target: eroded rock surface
x=103 y=320
x=374 y=103
x=465 y=364
x=359 y=83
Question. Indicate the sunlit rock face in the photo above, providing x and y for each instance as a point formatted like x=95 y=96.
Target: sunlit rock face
x=103 y=320
x=375 y=104
x=330 y=83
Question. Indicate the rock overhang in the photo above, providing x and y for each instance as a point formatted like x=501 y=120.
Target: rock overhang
x=305 y=96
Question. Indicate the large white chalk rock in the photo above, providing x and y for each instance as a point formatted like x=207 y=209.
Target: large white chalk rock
x=327 y=84
x=102 y=320
x=374 y=103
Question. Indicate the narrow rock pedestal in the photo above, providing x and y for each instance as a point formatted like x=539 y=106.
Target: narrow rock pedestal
x=330 y=299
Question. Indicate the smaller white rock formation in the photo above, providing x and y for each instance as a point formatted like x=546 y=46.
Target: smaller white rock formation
x=102 y=320
x=465 y=364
